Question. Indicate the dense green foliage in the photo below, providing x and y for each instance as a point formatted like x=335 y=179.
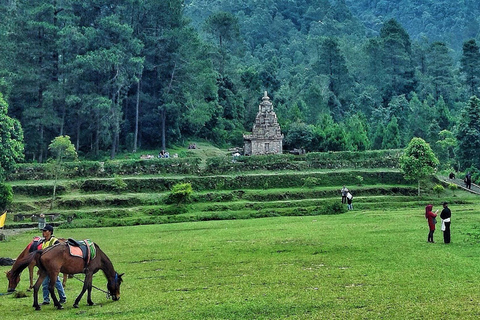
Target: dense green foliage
x=343 y=75
x=6 y=196
x=11 y=140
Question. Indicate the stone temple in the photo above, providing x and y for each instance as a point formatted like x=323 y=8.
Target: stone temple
x=266 y=137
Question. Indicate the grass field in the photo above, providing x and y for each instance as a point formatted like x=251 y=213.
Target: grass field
x=364 y=264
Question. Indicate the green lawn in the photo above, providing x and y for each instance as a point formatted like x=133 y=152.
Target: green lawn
x=371 y=264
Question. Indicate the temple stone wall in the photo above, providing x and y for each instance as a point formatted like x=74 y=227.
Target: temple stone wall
x=266 y=137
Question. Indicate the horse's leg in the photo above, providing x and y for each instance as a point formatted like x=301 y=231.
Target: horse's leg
x=89 y=293
x=30 y=272
x=51 y=288
x=41 y=276
x=64 y=281
x=84 y=288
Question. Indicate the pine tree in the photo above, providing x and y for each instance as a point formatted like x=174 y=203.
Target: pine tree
x=391 y=139
x=440 y=70
x=470 y=66
x=468 y=135
x=396 y=60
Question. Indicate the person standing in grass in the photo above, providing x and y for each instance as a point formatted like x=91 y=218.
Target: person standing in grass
x=349 y=201
x=446 y=215
x=430 y=216
x=344 y=192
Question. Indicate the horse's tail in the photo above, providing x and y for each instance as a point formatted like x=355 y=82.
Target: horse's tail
x=22 y=263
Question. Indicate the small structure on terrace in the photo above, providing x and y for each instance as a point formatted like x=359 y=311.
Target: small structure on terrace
x=266 y=137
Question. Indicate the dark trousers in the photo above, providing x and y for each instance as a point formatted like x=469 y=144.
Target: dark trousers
x=344 y=199
x=430 y=236
x=446 y=233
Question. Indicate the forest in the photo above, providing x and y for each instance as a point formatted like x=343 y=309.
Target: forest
x=121 y=76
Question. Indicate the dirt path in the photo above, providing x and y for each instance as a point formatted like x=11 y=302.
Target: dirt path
x=12 y=232
x=461 y=185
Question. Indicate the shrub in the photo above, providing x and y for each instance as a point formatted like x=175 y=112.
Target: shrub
x=6 y=196
x=438 y=189
x=119 y=185
x=453 y=187
x=181 y=193
x=359 y=180
x=310 y=182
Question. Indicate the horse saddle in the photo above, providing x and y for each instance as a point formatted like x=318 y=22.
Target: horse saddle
x=84 y=249
x=35 y=245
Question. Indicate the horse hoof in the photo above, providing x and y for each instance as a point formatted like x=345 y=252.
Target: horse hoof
x=75 y=306
x=38 y=308
x=60 y=307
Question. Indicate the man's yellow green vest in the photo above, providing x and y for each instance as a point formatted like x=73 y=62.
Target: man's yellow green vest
x=49 y=243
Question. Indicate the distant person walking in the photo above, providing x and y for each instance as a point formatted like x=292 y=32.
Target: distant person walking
x=349 y=201
x=430 y=216
x=344 y=192
x=445 y=216
x=468 y=180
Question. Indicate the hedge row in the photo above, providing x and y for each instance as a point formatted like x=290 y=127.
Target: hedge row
x=106 y=220
x=247 y=197
x=253 y=181
x=314 y=160
x=216 y=165
x=83 y=169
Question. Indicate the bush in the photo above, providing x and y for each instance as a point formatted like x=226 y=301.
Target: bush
x=453 y=187
x=181 y=193
x=6 y=196
x=310 y=182
x=359 y=180
x=438 y=189
x=119 y=185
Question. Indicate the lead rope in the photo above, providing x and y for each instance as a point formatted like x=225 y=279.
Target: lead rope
x=107 y=293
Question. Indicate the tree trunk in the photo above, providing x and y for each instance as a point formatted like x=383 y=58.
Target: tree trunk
x=40 y=156
x=419 y=188
x=97 y=134
x=78 y=135
x=54 y=188
x=163 y=116
x=137 y=107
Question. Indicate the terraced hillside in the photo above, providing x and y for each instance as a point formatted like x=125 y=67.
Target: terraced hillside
x=133 y=192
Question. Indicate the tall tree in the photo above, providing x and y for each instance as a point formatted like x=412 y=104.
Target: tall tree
x=439 y=65
x=357 y=133
x=391 y=139
x=396 y=60
x=106 y=62
x=468 y=135
x=470 y=66
x=418 y=161
x=36 y=83
x=332 y=63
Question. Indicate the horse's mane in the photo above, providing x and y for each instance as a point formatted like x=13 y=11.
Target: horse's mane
x=22 y=263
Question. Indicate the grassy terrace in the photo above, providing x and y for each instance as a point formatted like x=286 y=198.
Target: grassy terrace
x=363 y=264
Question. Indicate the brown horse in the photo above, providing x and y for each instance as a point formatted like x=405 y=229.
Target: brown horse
x=56 y=259
x=32 y=246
